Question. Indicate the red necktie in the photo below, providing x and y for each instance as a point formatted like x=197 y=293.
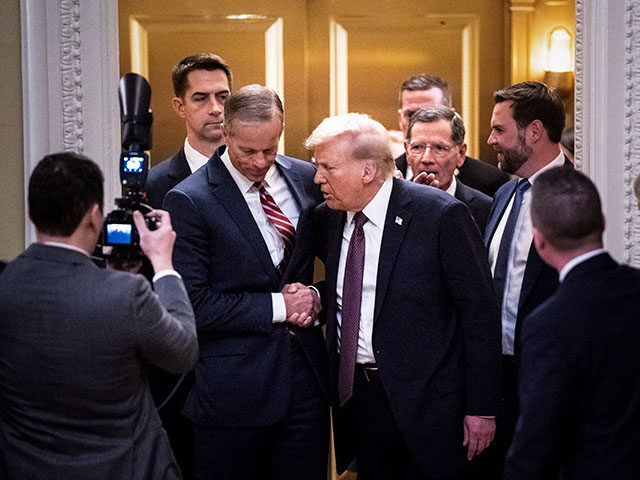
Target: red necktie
x=280 y=221
x=351 y=303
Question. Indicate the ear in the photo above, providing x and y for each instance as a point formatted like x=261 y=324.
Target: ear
x=463 y=155
x=369 y=171
x=536 y=131
x=178 y=106
x=539 y=241
x=95 y=218
x=399 y=112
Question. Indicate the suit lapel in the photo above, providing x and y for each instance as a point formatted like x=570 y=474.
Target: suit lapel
x=232 y=200
x=500 y=204
x=179 y=167
x=395 y=227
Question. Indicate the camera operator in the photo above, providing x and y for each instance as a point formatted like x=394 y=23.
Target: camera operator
x=75 y=339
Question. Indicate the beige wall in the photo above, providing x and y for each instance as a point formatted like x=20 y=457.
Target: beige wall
x=11 y=157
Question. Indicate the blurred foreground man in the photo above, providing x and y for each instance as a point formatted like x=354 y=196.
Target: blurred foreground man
x=74 y=340
x=245 y=249
x=579 y=381
x=412 y=322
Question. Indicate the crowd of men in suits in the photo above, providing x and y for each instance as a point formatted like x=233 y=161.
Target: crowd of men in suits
x=454 y=335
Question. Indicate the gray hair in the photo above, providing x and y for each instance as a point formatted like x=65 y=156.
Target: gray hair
x=253 y=103
x=435 y=114
x=368 y=139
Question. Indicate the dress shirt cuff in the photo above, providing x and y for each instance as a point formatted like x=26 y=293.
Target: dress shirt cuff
x=279 y=308
x=164 y=273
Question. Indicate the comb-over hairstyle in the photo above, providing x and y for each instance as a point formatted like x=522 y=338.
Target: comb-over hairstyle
x=253 y=103
x=368 y=139
x=435 y=114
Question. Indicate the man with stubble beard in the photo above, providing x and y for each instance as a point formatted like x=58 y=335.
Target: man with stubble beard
x=526 y=127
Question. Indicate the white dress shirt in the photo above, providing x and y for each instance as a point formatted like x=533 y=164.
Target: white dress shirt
x=517 y=261
x=376 y=212
x=277 y=187
x=194 y=158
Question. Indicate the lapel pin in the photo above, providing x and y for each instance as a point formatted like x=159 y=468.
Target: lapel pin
x=398 y=220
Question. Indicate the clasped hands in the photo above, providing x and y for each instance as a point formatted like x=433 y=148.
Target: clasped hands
x=302 y=304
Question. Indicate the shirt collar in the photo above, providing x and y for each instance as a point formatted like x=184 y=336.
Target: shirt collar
x=376 y=209
x=578 y=260
x=244 y=184
x=194 y=158
x=67 y=246
x=556 y=162
x=452 y=188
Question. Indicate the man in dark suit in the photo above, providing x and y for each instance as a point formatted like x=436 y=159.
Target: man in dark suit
x=526 y=127
x=245 y=249
x=434 y=148
x=75 y=340
x=422 y=91
x=201 y=84
x=579 y=379
x=412 y=323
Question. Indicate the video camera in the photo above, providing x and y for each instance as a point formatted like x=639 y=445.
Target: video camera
x=119 y=236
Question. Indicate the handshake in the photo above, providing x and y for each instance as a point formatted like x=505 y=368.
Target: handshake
x=302 y=303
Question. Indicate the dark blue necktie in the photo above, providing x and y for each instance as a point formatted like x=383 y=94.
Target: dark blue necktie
x=351 y=303
x=500 y=272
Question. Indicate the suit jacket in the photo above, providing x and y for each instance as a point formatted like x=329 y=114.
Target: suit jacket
x=74 y=340
x=540 y=280
x=579 y=385
x=164 y=176
x=474 y=173
x=436 y=328
x=243 y=378
x=478 y=203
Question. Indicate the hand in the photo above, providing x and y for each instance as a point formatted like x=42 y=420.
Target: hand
x=398 y=174
x=157 y=244
x=302 y=304
x=425 y=178
x=478 y=434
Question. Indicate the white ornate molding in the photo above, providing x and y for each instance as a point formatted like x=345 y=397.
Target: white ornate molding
x=579 y=83
x=71 y=74
x=632 y=131
x=69 y=81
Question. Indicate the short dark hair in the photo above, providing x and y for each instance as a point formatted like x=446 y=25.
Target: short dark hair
x=567 y=139
x=252 y=103
x=424 y=81
x=62 y=188
x=201 y=61
x=566 y=208
x=535 y=101
x=435 y=114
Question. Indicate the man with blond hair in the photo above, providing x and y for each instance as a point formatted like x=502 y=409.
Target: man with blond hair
x=412 y=324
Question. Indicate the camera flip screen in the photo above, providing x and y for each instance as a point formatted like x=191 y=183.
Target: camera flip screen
x=133 y=164
x=119 y=233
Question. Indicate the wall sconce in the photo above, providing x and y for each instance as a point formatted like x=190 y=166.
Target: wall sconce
x=559 y=71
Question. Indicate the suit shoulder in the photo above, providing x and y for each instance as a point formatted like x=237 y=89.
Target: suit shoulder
x=302 y=167
x=426 y=196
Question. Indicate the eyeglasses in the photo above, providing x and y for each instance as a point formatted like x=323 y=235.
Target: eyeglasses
x=418 y=149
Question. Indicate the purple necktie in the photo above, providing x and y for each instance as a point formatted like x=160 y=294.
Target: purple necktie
x=351 y=301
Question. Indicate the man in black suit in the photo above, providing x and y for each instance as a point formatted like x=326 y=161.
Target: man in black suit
x=421 y=91
x=245 y=248
x=526 y=127
x=579 y=381
x=412 y=322
x=75 y=340
x=435 y=148
x=201 y=84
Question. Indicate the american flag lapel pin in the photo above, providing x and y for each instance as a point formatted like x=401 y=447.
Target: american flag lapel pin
x=398 y=220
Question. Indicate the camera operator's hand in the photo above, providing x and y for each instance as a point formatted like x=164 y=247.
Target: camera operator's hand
x=157 y=245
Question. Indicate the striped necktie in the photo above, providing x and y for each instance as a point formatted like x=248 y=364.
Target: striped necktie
x=280 y=221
